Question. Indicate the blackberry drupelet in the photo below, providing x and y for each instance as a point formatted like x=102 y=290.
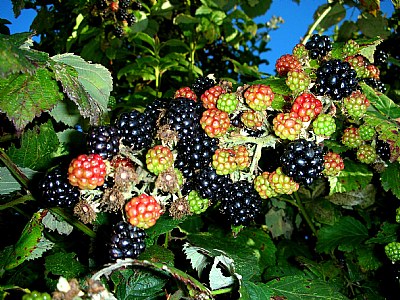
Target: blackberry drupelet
x=118 y=31
x=153 y=110
x=303 y=161
x=202 y=84
x=243 y=203
x=318 y=46
x=103 y=140
x=122 y=15
x=131 y=19
x=102 y=4
x=127 y=241
x=124 y=3
x=136 y=5
x=56 y=190
x=383 y=149
x=380 y=57
x=210 y=185
x=136 y=130
x=336 y=79
x=376 y=84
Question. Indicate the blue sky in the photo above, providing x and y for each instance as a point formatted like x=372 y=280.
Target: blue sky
x=297 y=18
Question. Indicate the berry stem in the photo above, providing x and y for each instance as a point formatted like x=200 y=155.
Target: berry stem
x=315 y=25
x=15 y=202
x=74 y=222
x=14 y=170
x=304 y=213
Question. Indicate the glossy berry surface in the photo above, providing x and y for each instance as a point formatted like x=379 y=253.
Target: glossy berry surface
x=259 y=97
x=209 y=97
x=383 y=149
x=143 y=211
x=263 y=186
x=126 y=241
x=333 y=164
x=197 y=204
x=392 y=251
x=324 y=125
x=35 y=295
x=227 y=102
x=287 y=63
x=87 y=171
x=287 y=125
x=318 y=46
x=202 y=84
x=159 y=159
x=351 y=138
x=215 y=122
x=366 y=154
x=306 y=106
x=356 y=104
x=103 y=140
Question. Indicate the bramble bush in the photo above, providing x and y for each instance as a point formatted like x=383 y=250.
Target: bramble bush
x=144 y=155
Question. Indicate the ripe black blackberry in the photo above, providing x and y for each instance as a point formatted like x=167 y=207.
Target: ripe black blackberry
x=102 y=4
x=318 y=46
x=380 y=57
x=127 y=241
x=136 y=5
x=336 y=79
x=131 y=19
x=382 y=148
x=154 y=110
x=376 y=84
x=210 y=185
x=202 y=84
x=121 y=14
x=56 y=190
x=243 y=203
x=103 y=140
x=124 y=3
x=135 y=129
x=118 y=31
x=303 y=161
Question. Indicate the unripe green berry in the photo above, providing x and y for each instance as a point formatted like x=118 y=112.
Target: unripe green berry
x=392 y=251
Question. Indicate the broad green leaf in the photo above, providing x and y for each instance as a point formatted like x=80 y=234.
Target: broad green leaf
x=64 y=264
x=66 y=112
x=346 y=234
x=364 y=197
x=13 y=58
x=197 y=256
x=217 y=279
x=93 y=79
x=26 y=244
x=302 y=288
x=278 y=224
x=53 y=223
x=163 y=225
x=31 y=95
x=42 y=246
x=381 y=102
x=355 y=176
x=36 y=149
x=390 y=179
x=372 y=26
x=255 y=8
x=368 y=48
x=386 y=234
x=250 y=291
x=367 y=259
x=8 y=183
x=156 y=253
x=140 y=284
x=333 y=17
x=185 y=19
x=147 y=39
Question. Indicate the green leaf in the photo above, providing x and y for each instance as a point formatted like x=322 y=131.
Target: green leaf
x=163 y=225
x=381 y=102
x=31 y=95
x=301 y=288
x=278 y=224
x=355 y=176
x=346 y=234
x=367 y=259
x=156 y=253
x=134 y=285
x=26 y=244
x=67 y=113
x=42 y=246
x=372 y=26
x=386 y=234
x=36 y=149
x=53 y=223
x=364 y=197
x=8 y=183
x=368 y=48
x=216 y=278
x=92 y=79
x=64 y=264
x=198 y=258
x=277 y=84
x=249 y=291
x=255 y=8
x=390 y=179
x=334 y=16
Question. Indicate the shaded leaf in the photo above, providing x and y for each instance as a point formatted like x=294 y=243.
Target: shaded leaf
x=53 y=223
x=64 y=264
x=386 y=234
x=156 y=253
x=31 y=94
x=364 y=197
x=36 y=149
x=66 y=112
x=367 y=259
x=301 y=288
x=249 y=291
x=254 y=8
x=346 y=234
x=372 y=26
x=381 y=102
x=333 y=17
x=390 y=179
x=163 y=225
x=8 y=183
x=277 y=223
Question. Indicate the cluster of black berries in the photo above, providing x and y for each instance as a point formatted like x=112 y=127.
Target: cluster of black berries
x=336 y=79
x=318 y=46
x=382 y=148
x=303 y=161
x=56 y=189
x=376 y=84
x=120 y=12
x=127 y=241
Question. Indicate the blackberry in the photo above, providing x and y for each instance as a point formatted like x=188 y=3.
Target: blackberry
x=122 y=15
x=318 y=46
x=303 y=161
x=243 y=204
x=118 y=31
x=103 y=140
x=56 y=190
x=210 y=185
x=154 y=110
x=102 y=4
x=335 y=79
x=380 y=57
x=136 y=130
x=131 y=19
x=124 y=3
x=383 y=149
x=136 y=5
x=376 y=84
x=202 y=84
x=127 y=241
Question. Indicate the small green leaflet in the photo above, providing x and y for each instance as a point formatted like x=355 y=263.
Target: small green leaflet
x=346 y=234
x=198 y=259
x=302 y=288
x=390 y=179
x=51 y=222
x=64 y=264
x=37 y=148
x=88 y=85
x=31 y=95
x=250 y=291
x=381 y=102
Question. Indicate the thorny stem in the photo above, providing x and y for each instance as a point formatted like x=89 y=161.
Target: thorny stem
x=76 y=223
x=304 y=213
x=316 y=23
